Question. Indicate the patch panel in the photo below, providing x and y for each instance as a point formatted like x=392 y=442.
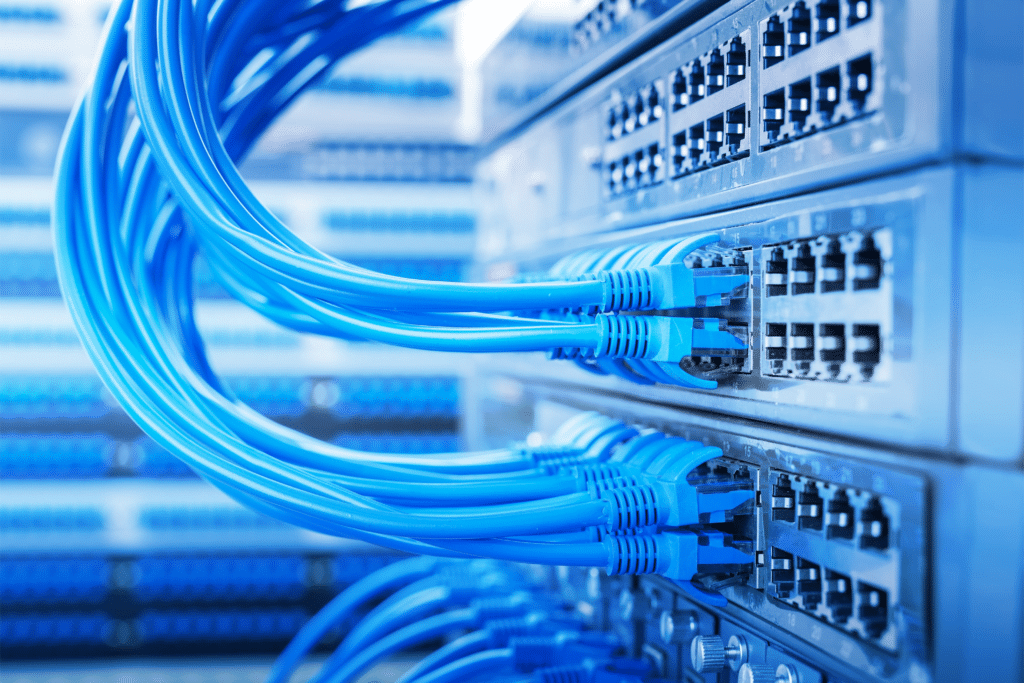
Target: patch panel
x=183 y=626
x=60 y=580
x=52 y=456
x=113 y=604
x=215 y=578
x=390 y=88
x=399 y=221
x=49 y=630
x=399 y=443
x=51 y=519
x=200 y=518
x=33 y=397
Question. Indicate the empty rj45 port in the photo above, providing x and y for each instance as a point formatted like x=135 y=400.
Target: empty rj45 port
x=804 y=267
x=775 y=345
x=783 y=572
x=801 y=346
x=777 y=273
x=783 y=500
x=867 y=348
x=799 y=28
x=833 y=268
x=867 y=266
x=715 y=72
x=715 y=135
x=695 y=91
x=774 y=114
x=735 y=62
x=860 y=10
x=808 y=583
x=679 y=152
x=874 y=526
x=810 y=507
x=696 y=142
x=735 y=128
x=828 y=84
x=838 y=596
x=826 y=19
x=799 y=104
x=832 y=346
x=773 y=44
x=839 y=517
x=679 y=99
x=859 y=71
x=873 y=608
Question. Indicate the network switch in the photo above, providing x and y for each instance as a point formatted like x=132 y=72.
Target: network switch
x=767 y=100
x=849 y=311
x=850 y=580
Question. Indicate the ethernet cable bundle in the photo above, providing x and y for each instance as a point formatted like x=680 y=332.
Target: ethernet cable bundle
x=512 y=629
x=147 y=179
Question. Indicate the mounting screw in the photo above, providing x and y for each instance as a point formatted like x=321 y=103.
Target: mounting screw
x=677 y=627
x=756 y=673
x=710 y=653
x=786 y=674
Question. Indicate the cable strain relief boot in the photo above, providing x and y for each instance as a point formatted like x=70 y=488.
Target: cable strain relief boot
x=632 y=554
x=631 y=507
x=598 y=477
x=624 y=336
x=626 y=290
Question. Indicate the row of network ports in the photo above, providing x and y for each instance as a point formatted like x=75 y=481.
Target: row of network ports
x=826 y=99
x=817 y=507
x=599 y=22
x=829 y=595
x=80 y=633
x=796 y=28
x=632 y=112
x=710 y=73
x=717 y=140
x=178 y=578
x=642 y=168
x=809 y=351
x=829 y=264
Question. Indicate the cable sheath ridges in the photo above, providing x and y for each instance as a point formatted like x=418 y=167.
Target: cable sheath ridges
x=627 y=290
x=624 y=336
x=631 y=554
x=631 y=507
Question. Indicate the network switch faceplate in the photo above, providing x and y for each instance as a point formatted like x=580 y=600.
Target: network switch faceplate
x=764 y=100
x=872 y=564
x=864 y=317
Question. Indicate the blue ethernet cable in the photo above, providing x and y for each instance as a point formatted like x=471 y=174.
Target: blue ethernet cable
x=358 y=659
x=139 y=195
x=342 y=606
x=470 y=666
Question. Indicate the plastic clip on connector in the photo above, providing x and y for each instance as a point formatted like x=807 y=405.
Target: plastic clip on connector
x=661 y=339
x=677 y=555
